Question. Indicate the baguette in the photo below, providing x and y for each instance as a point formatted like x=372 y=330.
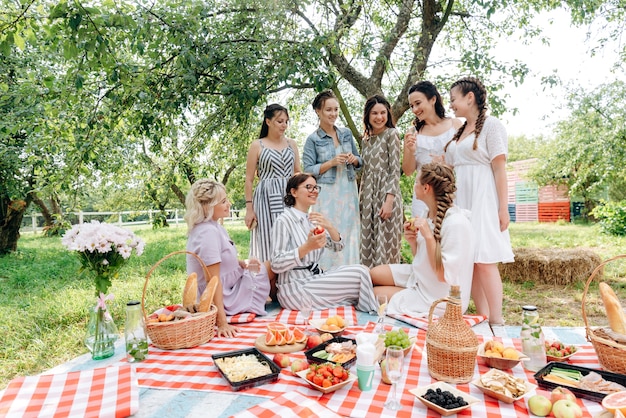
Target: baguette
x=190 y=293
x=207 y=296
x=613 y=308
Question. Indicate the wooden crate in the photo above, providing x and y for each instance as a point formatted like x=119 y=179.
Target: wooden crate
x=526 y=212
x=512 y=212
x=553 y=211
x=553 y=193
x=526 y=192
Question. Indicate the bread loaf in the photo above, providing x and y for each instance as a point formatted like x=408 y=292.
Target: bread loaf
x=190 y=293
x=207 y=296
x=613 y=308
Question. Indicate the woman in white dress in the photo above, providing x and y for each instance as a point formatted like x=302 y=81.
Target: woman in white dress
x=298 y=240
x=431 y=131
x=478 y=153
x=441 y=243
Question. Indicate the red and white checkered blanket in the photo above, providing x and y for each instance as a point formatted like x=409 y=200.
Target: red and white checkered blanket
x=348 y=313
x=422 y=321
x=104 y=392
x=290 y=404
x=241 y=318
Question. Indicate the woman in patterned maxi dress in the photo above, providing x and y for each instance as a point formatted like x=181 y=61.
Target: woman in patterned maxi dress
x=296 y=249
x=274 y=158
x=380 y=198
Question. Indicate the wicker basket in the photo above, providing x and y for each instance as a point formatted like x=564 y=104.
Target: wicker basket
x=611 y=354
x=451 y=345
x=186 y=333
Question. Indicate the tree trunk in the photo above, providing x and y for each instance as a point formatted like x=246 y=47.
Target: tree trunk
x=10 y=222
x=47 y=215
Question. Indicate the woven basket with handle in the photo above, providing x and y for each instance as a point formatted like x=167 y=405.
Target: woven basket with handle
x=611 y=353
x=186 y=333
x=451 y=345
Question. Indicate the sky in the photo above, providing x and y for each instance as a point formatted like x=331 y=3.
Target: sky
x=569 y=54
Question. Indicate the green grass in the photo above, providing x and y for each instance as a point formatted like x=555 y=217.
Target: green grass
x=44 y=301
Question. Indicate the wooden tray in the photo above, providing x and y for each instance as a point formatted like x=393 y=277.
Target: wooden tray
x=287 y=348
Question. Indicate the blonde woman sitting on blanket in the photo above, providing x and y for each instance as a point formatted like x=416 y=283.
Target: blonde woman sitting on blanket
x=441 y=245
x=297 y=248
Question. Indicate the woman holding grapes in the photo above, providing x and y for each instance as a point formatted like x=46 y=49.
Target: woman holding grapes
x=442 y=249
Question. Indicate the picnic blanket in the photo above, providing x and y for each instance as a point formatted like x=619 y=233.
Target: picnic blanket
x=290 y=404
x=241 y=318
x=194 y=369
x=348 y=313
x=104 y=392
x=421 y=321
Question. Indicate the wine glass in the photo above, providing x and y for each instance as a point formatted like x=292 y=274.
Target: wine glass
x=306 y=308
x=382 y=311
x=394 y=365
x=346 y=148
x=254 y=268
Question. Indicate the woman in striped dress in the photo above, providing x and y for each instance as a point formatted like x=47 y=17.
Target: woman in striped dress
x=274 y=158
x=298 y=241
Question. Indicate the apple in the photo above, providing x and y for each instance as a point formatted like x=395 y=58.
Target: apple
x=383 y=372
x=298 y=365
x=559 y=393
x=313 y=341
x=539 y=405
x=282 y=360
x=326 y=336
x=318 y=230
x=566 y=408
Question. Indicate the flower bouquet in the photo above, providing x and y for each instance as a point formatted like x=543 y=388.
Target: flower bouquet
x=102 y=249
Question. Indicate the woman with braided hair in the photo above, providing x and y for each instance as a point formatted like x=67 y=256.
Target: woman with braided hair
x=478 y=154
x=442 y=249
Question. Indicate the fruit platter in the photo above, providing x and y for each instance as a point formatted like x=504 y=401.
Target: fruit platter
x=398 y=338
x=335 y=325
x=495 y=354
x=557 y=351
x=338 y=350
x=281 y=338
x=443 y=398
x=327 y=377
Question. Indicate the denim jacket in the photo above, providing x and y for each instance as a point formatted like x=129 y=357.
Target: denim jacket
x=319 y=148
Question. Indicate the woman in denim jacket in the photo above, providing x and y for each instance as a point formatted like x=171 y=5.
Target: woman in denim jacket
x=330 y=154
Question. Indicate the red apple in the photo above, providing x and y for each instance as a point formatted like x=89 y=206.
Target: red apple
x=282 y=360
x=318 y=230
x=298 y=365
x=313 y=341
x=566 y=408
x=559 y=393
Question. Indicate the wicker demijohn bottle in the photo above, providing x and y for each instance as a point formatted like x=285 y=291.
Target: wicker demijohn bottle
x=451 y=345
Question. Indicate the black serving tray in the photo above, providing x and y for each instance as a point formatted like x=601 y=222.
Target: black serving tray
x=581 y=393
x=250 y=383
x=322 y=346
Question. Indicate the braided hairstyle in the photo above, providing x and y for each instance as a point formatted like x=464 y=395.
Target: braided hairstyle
x=269 y=112
x=429 y=90
x=474 y=85
x=200 y=201
x=441 y=178
x=321 y=98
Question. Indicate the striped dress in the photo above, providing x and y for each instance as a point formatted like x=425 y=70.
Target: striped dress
x=274 y=168
x=338 y=286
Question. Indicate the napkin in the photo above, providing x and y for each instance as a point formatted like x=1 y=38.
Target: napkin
x=365 y=354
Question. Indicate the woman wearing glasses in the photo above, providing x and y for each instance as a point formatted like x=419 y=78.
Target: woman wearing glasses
x=298 y=241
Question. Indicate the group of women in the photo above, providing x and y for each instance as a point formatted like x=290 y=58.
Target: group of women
x=313 y=232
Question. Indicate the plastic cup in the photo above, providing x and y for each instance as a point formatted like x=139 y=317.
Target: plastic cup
x=365 y=375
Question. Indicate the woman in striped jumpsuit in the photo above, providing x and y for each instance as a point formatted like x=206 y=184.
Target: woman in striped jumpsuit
x=297 y=245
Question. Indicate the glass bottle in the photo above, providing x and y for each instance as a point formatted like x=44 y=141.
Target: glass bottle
x=533 y=342
x=135 y=333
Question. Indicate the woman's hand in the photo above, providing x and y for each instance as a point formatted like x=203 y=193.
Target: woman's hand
x=316 y=241
x=227 y=331
x=386 y=210
x=339 y=159
x=250 y=218
x=410 y=232
x=505 y=218
x=421 y=225
x=410 y=141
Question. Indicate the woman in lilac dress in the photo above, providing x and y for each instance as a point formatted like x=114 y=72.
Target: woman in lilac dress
x=238 y=290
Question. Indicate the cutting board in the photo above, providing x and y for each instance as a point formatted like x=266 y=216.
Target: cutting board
x=287 y=348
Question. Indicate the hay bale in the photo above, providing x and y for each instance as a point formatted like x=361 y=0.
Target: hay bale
x=550 y=265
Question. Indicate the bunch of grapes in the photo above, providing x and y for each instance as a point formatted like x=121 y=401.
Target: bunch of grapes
x=399 y=338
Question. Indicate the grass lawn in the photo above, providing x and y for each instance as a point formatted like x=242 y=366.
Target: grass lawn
x=44 y=301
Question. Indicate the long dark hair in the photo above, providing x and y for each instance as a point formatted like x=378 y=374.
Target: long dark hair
x=269 y=112
x=293 y=183
x=429 y=90
x=369 y=104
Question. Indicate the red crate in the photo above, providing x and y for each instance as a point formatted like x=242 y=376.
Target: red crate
x=526 y=212
x=552 y=212
x=552 y=193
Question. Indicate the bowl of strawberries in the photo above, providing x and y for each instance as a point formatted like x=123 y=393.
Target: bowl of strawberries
x=327 y=377
x=557 y=351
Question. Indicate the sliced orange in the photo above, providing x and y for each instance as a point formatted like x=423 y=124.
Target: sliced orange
x=290 y=338
x=277 y=326
x=615 y=402
x=299 y=335
x=270 y=338
x=280 y=339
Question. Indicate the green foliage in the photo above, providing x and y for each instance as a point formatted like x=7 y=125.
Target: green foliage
x=612 y=217
x=58 y=227
x=159 y=220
